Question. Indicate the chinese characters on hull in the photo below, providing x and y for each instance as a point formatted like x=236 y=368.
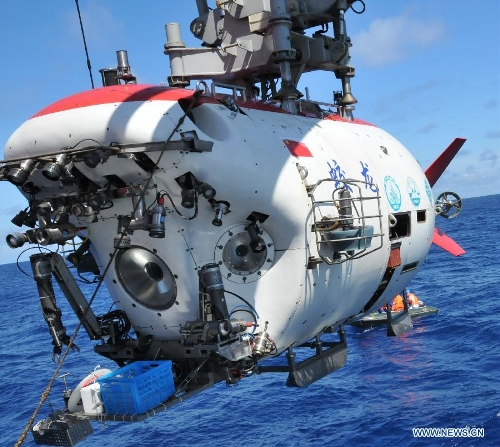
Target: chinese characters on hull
x=337 y=173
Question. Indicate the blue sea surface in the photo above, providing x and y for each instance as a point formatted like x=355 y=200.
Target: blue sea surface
x=442 y=374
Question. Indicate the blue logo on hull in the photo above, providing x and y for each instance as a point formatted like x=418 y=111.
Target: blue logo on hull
x=413 y=191
x=428 y=190
x=392 y=192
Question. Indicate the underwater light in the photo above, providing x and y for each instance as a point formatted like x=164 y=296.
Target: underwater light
x=18 y=176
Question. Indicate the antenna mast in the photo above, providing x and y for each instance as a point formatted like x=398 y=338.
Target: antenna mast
x=85 y=44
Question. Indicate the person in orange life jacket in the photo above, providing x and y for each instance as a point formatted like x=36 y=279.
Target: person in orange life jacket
x=397 y=304
x=413 y=301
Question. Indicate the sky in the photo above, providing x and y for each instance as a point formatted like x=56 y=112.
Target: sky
x=426 y=72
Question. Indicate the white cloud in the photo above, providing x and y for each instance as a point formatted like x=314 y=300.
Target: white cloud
x=427 y=128
x=492 y=104
x=469 y=181
x=101 y=27
x=493 y=134
x=489 y=156
x=393 y=39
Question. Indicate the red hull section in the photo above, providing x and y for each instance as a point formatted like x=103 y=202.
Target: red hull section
x=446 y=243
x=436 y=169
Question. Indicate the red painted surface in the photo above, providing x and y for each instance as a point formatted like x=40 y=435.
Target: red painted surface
x=435 y=170
x=256 y=105
x=297 y=149
x=116 y=94
x=354 y=121
x=446 y=243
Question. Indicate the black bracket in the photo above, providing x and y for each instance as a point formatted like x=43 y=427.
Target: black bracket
x=314 y=368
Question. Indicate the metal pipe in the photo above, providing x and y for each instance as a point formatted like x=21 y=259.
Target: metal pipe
x=211 y=280
x=122 y=58
x=202 y=6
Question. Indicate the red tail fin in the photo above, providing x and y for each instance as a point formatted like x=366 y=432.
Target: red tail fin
x=446 y=243
x=435 y=170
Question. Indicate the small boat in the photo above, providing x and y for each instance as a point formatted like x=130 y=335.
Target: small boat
x=380 y=318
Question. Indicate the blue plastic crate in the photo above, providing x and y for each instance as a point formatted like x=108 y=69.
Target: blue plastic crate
x=137 y=388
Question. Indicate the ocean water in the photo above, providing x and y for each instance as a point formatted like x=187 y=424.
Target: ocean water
x=445 y=373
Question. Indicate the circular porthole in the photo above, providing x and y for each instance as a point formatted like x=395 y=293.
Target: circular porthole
x=237 y=261
x=146 y=278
